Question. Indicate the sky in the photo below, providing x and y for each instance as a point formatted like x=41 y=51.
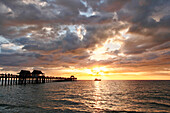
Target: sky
x=107 y=39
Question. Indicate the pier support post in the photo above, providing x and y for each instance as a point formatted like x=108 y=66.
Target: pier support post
x=11 y=79
x=8 y=78
x=40 y=80
x=43 y=79
x=29 y=80
x=19 y=82
x=25 y=80
x=32 y=80
x=36 y=81
x=2 y=80
x=5 y=79
x=16 y=80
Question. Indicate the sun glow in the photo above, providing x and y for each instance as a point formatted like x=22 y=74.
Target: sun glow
x=96 y=71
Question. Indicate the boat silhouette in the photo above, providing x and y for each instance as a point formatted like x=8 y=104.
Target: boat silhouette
x=97 y=79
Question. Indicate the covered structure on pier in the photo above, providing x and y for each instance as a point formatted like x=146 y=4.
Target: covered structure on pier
x=24 y=73
x=37 y=73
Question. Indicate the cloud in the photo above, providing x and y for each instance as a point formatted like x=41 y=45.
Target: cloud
x=62 y=33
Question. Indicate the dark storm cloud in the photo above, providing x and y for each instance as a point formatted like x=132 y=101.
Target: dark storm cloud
x=149 y=33
x=113 y=5
x=37 y=60
x=17 y=14
x=13 y=59
x=70 y=41
x=60 y=11
x=67 y=44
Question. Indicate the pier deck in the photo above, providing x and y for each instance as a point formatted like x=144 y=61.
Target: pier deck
x=9 y=79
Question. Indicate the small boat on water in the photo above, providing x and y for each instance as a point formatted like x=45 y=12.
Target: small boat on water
x=97 y=79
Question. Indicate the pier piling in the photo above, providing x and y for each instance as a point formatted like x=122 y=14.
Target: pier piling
x=5 y=79
x=2 y=80
x=11 y=79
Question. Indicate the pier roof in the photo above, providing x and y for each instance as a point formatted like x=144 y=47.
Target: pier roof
x=24 y=72
x=37 y=72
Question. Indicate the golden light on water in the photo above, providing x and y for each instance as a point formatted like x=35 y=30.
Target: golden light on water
x=97 y=95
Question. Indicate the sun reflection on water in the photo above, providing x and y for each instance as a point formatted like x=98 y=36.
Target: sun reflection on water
x=97 y=96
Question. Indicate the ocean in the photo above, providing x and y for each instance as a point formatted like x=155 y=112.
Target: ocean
x=86 y=96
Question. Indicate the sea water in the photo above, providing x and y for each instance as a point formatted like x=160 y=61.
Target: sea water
x=86 y=96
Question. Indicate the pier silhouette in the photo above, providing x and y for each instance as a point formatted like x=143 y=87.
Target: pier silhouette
x=26 y=77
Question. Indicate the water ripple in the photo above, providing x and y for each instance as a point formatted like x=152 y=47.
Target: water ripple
x=87 y=96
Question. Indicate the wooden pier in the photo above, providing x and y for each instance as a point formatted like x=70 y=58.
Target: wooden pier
x=25 y=77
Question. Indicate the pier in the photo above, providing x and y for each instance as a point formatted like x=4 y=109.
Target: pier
x=26 y=77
